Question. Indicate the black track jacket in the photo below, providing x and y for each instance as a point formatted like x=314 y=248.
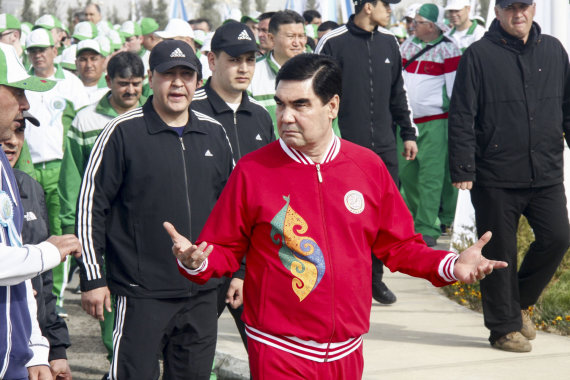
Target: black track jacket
x=373 y=93
x=140 y=174
x=509 y=111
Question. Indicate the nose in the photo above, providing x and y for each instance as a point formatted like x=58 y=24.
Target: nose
x=286 y=116
x=23 y=102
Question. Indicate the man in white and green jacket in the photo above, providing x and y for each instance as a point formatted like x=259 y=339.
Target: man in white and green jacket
x=430 y=60
x=465 y=31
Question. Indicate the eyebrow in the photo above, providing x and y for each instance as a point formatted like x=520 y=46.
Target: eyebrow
x=296 y=102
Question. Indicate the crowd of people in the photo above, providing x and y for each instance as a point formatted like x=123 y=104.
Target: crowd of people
x=288 y=158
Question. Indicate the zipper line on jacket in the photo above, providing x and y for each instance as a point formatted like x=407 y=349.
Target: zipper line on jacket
x=186 y=188
x=237 y=137
x=320 y=180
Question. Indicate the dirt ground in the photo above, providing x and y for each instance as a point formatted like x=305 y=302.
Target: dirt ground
x=87 y=355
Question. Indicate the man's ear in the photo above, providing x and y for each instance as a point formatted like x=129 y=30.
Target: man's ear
x=334 y=105
x=212 y=61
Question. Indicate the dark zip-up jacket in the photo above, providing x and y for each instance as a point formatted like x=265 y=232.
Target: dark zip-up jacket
x=140 y=174
x=373 y=94
x=248 y=129
x=35 y=230
x=509 y=111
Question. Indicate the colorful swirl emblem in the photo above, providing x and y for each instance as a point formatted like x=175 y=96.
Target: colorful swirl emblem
x=299 y=253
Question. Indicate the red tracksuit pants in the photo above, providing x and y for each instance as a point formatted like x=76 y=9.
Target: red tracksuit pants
x=269 y=363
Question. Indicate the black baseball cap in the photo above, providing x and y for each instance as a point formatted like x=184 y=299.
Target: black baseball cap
x=506 y=3
x=234 y=38
x=171 y=53
x=362 y=2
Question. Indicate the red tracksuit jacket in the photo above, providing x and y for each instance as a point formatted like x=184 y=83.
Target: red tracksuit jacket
x=307 y=232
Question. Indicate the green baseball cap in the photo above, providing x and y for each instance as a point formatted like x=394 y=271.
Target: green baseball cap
x=148 y=26
x=7 y=21
x=47 y=22
x=433 y=13
x=13 y=73
x=84 y=30
x=130 y=29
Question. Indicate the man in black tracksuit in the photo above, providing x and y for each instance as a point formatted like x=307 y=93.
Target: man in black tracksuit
x=247 y=123
x=509 y=114
x=373 y=95
x=158 y=163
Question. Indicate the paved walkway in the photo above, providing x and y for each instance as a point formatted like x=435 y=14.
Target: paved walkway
x=426 y=336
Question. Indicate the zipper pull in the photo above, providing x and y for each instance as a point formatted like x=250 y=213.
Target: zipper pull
x=235 y=118
x=319 y=173
x=182 y=142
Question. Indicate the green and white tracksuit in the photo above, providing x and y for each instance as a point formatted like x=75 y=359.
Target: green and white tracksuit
x=55 y=109
x=95 y=93
x=262 y=85
x=429 y=81
x=466 y=37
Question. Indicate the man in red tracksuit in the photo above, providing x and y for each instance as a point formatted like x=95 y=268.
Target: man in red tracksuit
x=307 y=211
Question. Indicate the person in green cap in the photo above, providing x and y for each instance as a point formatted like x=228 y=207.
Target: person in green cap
x=430 y=60
x=11 y=31
x=90 y=63
x=150 y=39
x=54 y=25
x=55 y=110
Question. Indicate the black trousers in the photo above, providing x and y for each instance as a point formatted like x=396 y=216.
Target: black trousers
x=182 y=330
x=505 y=292
x=236 y=313
x=390 y=159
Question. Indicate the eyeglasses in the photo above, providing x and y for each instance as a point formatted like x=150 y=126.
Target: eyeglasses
x=416 y=22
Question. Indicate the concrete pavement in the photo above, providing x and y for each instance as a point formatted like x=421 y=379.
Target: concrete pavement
x=425 y=336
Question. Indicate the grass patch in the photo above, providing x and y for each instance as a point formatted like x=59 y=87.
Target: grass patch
x=552 y=311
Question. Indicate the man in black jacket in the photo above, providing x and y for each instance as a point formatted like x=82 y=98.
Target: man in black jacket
x=246 y=122
x=373 y=95
x=509 y=114
x=155 y=163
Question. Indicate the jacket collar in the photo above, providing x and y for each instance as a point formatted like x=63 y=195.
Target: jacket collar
x=155 y=124
x=220 y=106
x=358 y=31
x=499 y=36
x=301 y=158
x=273 y=65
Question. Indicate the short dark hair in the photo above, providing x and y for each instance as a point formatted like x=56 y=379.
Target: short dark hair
x=324 y=70
x=199 y=20
x=358 y=8
x=265 y=15
x=125 y=65
x=284 y=17
x=327 y=25
x=310 y=14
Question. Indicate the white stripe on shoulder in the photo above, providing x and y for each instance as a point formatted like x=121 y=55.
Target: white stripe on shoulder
x=333 y=33
x=256 y=102
x=204 y=117
x=85 y=199
x=200 y=95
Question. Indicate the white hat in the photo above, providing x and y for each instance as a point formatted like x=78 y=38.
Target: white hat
x=39 y=38
x=176 y=27
x=84 y=30
x=457 y=5
x=412 y=10
x=13 y=73
x=88 y=45
x=105 y=44
x=68 y=56
x=206 y=47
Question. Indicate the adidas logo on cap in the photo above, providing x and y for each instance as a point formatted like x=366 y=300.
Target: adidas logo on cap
x=177 y=53
x=244 y=36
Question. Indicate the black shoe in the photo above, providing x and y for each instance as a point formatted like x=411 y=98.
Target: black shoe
x=382 y=294
x=429 y=240
x=445 y=229
x=105 y=377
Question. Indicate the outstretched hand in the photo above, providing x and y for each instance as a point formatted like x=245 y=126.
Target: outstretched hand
x=190 y=255
x=471 y=266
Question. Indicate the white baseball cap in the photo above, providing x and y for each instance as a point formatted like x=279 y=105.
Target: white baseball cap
x=457 y=5
x=39 y=38
x=176 y=27
x=68 y=56
x=88 y=45
x=13 y=73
